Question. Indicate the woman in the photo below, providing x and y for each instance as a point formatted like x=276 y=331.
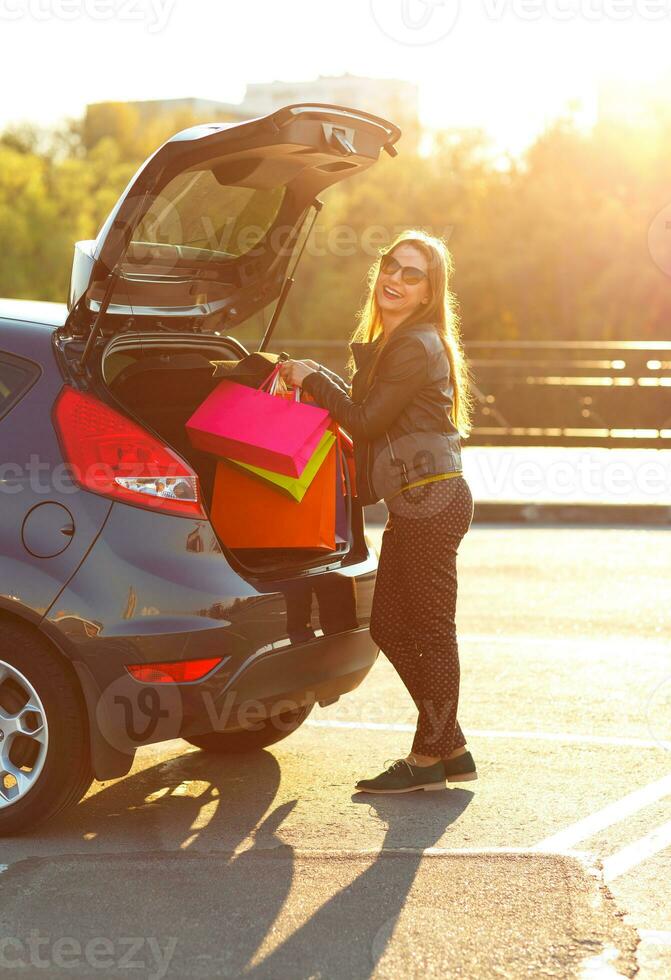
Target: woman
x=406 y=410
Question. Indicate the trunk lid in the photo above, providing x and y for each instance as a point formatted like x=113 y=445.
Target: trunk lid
x=204 y=233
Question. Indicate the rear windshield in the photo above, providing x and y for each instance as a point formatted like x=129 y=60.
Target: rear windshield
x=196 y=211
x=15 y=379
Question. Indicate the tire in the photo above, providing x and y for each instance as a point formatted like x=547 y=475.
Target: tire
x=48 y=746
x=225 y=743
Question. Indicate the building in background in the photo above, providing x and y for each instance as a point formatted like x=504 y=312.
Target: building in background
x=390 y=98
x=151 y=108
x=393 y=99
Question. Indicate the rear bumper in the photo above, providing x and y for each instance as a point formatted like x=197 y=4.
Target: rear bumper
x=318 y=671
x=126 y=714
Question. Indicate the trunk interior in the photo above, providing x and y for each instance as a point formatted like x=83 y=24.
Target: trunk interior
x=161 y=381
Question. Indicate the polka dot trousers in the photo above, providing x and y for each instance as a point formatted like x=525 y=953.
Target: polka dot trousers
x=414 y=605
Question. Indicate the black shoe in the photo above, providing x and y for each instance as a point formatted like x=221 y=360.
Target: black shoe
x=403 y=777
x=460 y=769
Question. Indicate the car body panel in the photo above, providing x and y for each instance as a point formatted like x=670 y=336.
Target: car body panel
x=180 y=583
x=36 y=496
x=23 y=320
x=178 y=598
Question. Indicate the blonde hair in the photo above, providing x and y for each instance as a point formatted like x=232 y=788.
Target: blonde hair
x=440 y=310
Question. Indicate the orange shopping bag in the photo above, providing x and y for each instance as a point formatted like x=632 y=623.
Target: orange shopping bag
x=249 y=513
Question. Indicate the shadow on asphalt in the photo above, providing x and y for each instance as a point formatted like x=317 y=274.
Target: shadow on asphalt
x=199 y=891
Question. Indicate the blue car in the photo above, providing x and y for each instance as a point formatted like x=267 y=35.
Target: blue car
x=124 y=620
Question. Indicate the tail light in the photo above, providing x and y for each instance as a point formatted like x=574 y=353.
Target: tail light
x=174 y=672
x=113 y=456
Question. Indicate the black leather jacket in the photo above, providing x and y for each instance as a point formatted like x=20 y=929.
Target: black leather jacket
x=400 y=424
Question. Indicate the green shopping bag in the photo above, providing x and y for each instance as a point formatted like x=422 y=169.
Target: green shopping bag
x=293 y=486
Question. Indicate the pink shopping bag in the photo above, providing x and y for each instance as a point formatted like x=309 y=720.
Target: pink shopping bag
x=255 y=426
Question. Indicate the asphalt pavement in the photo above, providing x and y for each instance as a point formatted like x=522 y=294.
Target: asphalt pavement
x=556 y=862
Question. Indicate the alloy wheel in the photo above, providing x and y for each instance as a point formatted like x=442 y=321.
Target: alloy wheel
x=24 y=735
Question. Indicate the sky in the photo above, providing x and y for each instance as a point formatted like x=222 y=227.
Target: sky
x=508 y=66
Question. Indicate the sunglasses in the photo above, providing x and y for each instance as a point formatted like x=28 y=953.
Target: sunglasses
x=410 y=274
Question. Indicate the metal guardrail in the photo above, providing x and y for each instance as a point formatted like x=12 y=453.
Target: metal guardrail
x=548 y=393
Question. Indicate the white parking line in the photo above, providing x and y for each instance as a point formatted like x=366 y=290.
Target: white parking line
x=372 y=725
x=608 y=642
x=568 y=737
x=609 y=815
x=586 y=858
x=633 y=854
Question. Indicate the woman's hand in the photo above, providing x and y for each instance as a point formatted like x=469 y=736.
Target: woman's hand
x=295 y=372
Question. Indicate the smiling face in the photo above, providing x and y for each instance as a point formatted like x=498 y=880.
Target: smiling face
x=395 y=296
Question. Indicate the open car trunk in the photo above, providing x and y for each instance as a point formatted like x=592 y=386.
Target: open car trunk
x=160 y=380
x=207 y=234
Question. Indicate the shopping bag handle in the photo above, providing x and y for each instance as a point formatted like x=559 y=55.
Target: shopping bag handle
x=340 y=456
x=270 y=379
x=273 y=380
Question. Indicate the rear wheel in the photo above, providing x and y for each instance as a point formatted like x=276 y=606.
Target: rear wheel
x=45 y=762
x=270 y=731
